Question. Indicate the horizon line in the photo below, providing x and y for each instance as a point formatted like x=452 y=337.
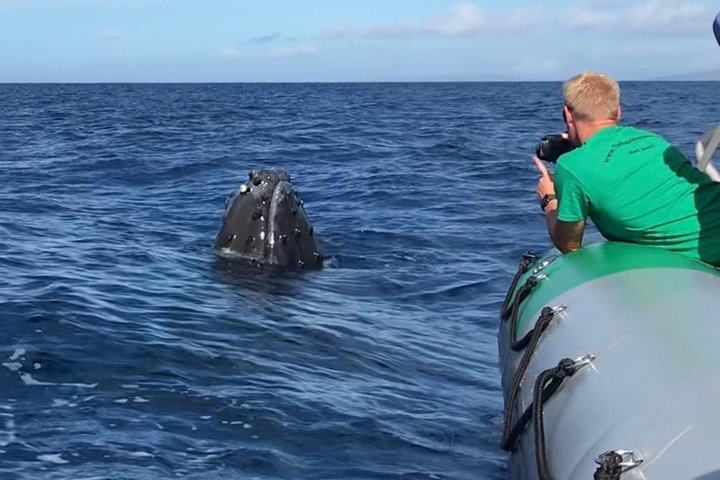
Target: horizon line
x=255 y=82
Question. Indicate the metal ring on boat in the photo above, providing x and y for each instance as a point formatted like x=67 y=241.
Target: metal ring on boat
x=629 y=459
x=544 y=263
x=584 y=360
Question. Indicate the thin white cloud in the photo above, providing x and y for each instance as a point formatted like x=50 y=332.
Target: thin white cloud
x=469 y=19
x=234 y=53
x=652 y=16
x=274 y=45
x=280 y=52
x=465 y=19
x=399 y=30
x=273 y=37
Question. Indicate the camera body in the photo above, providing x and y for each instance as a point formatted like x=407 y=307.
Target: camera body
x=552 y=146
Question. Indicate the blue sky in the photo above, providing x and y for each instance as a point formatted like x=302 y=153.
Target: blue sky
x=352 y=40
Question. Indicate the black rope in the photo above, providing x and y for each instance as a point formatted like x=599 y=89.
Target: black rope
x=530 y=340
x=523 y=267
x=522 y=293
x=546 y=393
x=508 y=444
x=609 y=468
x=546 y=384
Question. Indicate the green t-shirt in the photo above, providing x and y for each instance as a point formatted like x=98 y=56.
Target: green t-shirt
x=638 y=188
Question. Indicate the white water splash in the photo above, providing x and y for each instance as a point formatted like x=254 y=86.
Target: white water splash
x=29 y=380
x=17 y=354
x=52 y=458
x=12 y=366
x=136 y=454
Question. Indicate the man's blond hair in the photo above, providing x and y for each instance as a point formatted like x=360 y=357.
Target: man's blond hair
x=592 y=96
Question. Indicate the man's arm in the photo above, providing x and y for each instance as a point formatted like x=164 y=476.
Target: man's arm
x=566 y=236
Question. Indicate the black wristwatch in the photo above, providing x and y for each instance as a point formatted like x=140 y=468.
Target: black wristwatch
x=547 y=198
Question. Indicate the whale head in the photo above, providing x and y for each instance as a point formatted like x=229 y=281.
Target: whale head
x=265 y=223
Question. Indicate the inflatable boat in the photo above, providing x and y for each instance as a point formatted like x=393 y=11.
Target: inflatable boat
x=610 y=361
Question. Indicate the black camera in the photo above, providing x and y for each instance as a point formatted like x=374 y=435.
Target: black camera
x=552 y=146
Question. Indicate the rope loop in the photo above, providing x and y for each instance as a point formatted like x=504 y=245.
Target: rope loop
x=524 y=265
x=512 y=432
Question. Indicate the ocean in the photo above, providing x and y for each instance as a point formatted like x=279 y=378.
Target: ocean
x=130 y=351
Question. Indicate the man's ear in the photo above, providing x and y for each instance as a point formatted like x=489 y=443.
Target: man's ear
x=567 y=114
x=619 y=114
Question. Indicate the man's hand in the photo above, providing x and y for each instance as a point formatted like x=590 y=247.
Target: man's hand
x=566 y=236
x=546 y=184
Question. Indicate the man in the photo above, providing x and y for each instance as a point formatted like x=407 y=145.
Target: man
x=632 y=183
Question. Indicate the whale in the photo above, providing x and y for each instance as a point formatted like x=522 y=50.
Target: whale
x=265 y=224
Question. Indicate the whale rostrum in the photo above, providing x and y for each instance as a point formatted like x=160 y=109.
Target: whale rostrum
x=265 y=223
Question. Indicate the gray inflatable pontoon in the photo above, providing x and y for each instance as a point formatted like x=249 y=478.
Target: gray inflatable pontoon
x=610 y=360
